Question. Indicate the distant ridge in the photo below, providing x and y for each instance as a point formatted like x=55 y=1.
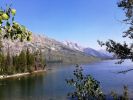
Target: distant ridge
x=88 y=51
x=53 y=50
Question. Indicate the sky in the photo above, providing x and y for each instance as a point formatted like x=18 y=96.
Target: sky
x=81 y=21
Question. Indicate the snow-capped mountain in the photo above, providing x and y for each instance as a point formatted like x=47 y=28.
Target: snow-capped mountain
x=88 y=51
x=73 y=45
x=53 y=50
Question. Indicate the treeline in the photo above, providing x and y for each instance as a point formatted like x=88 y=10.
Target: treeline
x=23 y=62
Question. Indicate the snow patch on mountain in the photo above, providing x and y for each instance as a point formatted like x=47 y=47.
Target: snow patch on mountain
x=73 y=45
x=88 y=51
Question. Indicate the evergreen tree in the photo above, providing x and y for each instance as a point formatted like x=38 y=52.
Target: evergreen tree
x=2 y=63
x=37 y=60
x=30 y=60
x=22 y=61
x=15 y=63
x=11 y=30
x=42 y=60
x=8 y=62
x=28 y=56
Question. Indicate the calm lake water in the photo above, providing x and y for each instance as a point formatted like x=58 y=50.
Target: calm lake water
x=51 y=85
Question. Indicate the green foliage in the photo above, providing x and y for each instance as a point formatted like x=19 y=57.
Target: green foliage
x=2 y=62
x=8 y=60
x=11 y=29
x=30 y=58
x=85 y=86
x=88 y=88
x=121 y=97
x=24 y=62
x=42 y=59
x=123 y=51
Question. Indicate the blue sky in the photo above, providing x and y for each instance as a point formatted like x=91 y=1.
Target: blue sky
x=81 y=21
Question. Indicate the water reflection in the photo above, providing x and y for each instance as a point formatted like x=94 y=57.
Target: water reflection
x=51 y=85
x=21 y=88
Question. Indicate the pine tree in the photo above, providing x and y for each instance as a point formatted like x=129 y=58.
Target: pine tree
x=15 y=63
x=42 y=60
x=8 y=62
x=22 y=61
x=30 y=60
x=12 y=30
x=37 y=60
x=2 y=63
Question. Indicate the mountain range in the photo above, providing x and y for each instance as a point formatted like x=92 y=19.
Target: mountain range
x=103 y=54
x=54 y=51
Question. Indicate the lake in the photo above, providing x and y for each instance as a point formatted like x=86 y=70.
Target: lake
x=51 y=85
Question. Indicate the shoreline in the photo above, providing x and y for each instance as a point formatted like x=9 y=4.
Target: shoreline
x=20 y=74
x=38 y=71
